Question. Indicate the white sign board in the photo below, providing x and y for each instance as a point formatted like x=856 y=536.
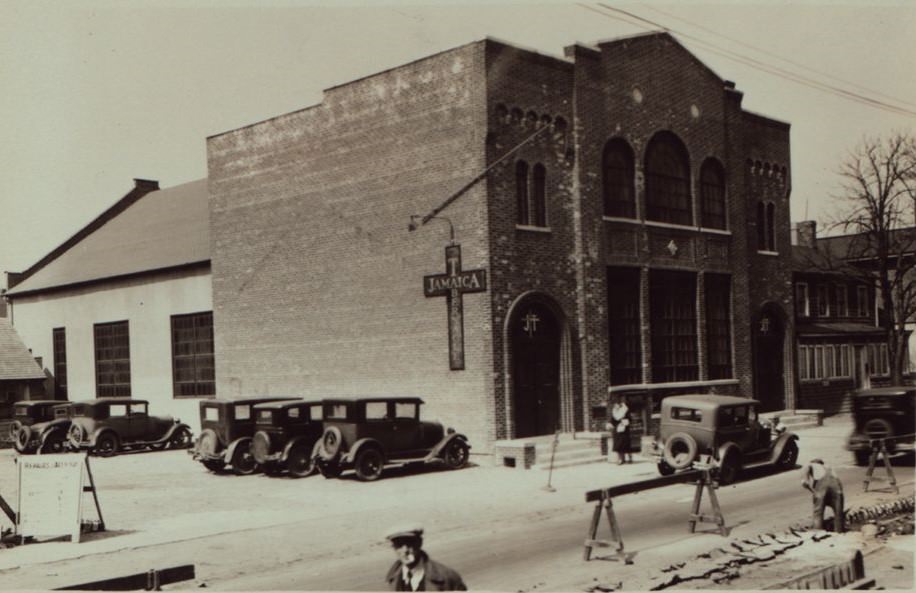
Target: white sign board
x=50 y=494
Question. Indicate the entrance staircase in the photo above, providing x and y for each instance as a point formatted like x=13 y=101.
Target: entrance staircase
x=535 y=452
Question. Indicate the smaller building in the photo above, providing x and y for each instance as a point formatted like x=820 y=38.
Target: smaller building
x=21 y=377
x=840 y=343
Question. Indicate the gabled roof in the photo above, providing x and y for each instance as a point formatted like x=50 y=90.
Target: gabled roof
x=16 y=362
x=162 y=229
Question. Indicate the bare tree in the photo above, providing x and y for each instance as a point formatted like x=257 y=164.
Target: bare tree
x=879 y=214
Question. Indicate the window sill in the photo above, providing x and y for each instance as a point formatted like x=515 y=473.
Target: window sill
x=671 y=225
x=532 y=228
x=666 y=225
x=765 y=252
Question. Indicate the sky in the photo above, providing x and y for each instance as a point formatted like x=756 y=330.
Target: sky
x=96 y=93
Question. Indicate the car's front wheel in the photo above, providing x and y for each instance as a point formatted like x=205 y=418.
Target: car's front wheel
x=300 y=462
x=181 y=439
x=729 y=467
x=243 y=462
x=55 y=442
x=455 y=455
x=23 y=436
x=789 y=455
x=106 y=445
x=368 y=464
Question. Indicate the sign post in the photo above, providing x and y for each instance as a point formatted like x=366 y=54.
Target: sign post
x=452 y=285
x=51 y=493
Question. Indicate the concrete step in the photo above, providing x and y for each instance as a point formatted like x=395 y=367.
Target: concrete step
x=579 y=445
x=568 y=455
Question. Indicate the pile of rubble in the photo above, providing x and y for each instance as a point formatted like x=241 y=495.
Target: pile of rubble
x=883 y=521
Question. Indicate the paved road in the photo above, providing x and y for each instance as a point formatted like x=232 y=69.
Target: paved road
x=498 y=527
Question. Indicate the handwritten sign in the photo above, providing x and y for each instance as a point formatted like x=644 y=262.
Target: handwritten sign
x=50 y=494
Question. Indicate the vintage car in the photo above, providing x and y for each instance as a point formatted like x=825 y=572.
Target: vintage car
x=369 y=434
x=226 y=428
x=106 y=426
x=40 y=426
x=726 y=429
x=287 y=433
x=882 y=413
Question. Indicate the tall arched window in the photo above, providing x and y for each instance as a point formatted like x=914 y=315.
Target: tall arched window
x=771 y=226
x=712 y=195
x=539 y=195
x=521 y=191
x=619 y=195
x=668 y=180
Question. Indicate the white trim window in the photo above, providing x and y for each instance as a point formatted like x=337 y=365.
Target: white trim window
x=842 y=302
x=823 y=300
x=878 y=362
x=862 y=308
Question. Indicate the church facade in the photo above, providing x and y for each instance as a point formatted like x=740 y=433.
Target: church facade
x=509 y=236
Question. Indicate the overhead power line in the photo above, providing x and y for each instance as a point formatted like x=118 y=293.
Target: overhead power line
x=754 y=63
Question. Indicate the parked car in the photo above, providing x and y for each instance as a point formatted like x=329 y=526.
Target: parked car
x=725 y=428
x=369 y=434
x=882 y=413
x=40 y=426
x=106 y=426
x=287 y=433
x=227 y=426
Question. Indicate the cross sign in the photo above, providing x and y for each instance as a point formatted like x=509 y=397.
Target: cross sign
x=452 y=285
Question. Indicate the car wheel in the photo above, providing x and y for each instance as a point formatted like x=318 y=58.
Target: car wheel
x=680 y=450
x=330 y=442
x=214 y=465
x=300 y=463
x=455 y=455
x=23 y=435
x=789 y=455
x=243 y=463
x=368 y=464
x=181 y=439
x=54 y=443
x=14 y=428
x=862 y=457
x=75 y=434
x=664 y=469
x=106 y=445
x=729 y=467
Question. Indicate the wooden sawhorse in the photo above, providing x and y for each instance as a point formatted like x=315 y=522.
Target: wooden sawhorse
x=605 y=504
x=879 y=447
x=695 y=515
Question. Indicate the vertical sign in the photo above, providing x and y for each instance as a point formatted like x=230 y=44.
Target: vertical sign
x=50 y=495
x=452 y=285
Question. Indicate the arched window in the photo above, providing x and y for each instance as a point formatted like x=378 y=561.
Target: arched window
x=766 y=226
x=539 y=196
x=619 y=195
x=521 y=191
x=668 y=180
x=712 y=195
x=771 y=226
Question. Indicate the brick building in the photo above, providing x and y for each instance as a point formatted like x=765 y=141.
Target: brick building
x=631 y=230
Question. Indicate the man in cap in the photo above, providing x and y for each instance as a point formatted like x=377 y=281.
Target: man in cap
x=827 y=491
x=414 y=570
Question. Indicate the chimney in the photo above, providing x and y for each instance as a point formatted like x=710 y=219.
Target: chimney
x=806 y=234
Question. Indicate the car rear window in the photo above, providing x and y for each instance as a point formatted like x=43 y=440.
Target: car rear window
x=242 y=412
x=875 y=403
x=22 y=411
x=211 y=414
x=376 y=410
x=688 y=414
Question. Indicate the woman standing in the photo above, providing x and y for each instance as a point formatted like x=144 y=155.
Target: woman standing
x=619 y=424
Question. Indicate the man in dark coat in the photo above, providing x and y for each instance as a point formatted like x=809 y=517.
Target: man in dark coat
x=414 y=570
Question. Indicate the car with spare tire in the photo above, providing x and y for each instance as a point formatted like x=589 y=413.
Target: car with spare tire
x=286 y=436
x=226 y=428
x=107 y=426
x=724 y=430
x=40 y=426
x=882 y=414
x=373 y=433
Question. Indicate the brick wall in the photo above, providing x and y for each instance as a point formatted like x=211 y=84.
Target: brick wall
x=317 y=282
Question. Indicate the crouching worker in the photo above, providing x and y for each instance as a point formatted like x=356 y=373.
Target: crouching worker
x=414 y=570
x=827 y=491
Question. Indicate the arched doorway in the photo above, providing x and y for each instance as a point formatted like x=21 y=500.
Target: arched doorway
x=535 y=333
x=769 y=365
